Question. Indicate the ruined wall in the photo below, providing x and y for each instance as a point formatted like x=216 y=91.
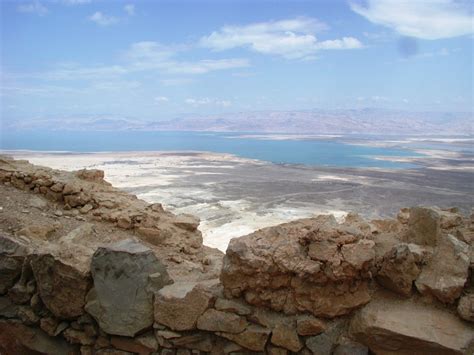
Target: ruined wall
x=312 y=286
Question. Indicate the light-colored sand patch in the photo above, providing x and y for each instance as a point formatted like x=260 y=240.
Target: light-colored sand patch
x=330 y=178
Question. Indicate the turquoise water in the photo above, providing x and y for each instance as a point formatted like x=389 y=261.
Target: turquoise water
x=308 y=152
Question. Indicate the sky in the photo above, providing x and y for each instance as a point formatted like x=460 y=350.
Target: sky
x=157 y=60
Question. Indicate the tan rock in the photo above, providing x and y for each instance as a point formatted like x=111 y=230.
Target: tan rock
x=62 y=287
x=234 y=306
x=75 y=336
x=187 y=222
x=179 y=306
x=398 y=270
x=253 y=338
x=283 y=267
x=445 y=280
x=136 y=346
x=424 y=226
x=390 y=326
x=466 y=307
x=218 y=321
x=90 y=175
x=307 y=325
x=285 y=336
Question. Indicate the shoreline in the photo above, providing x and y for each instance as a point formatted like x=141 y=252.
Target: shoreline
x=234 y=196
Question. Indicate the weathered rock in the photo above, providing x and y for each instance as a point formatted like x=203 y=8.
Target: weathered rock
x=95 y=175
x=253 y=338
x=424 y=226
x=16 y=338
x=201 y=341
x=40 y=231
x=445 y=280
x=179 y=306
x=325 y=342
x=466 y=307
x=285 y=336
x=310 y=265
x=12 y=255
x=186 y=221
x=141 y=345
x=398 y=270
x=75 y=336
x=308 y=325
x=124 y=281
x=7 y=308
x=218 y=321
x=62 y=287
x=348 y=347
x=234 y=306
x=390 y=326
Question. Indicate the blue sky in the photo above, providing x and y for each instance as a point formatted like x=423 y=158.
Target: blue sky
x=161 y=59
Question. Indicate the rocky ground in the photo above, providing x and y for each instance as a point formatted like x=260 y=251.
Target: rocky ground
x=234 y=196
x=86 y=268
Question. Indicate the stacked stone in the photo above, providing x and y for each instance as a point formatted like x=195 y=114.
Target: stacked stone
x=85 y=192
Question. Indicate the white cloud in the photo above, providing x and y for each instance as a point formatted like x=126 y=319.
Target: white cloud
x=433 y=19
x=102 y=19
x=75 y=2
x=154 y=56
x=129 y=9
x=34 y=7
x=207 y=101
x=161 y=99
x=291 y=38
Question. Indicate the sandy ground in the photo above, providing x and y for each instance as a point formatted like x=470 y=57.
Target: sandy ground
x=235 y=196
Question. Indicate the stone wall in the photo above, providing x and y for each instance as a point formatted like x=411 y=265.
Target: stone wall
x=312 y=286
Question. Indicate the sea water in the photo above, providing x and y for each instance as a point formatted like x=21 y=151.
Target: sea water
x=316 y=152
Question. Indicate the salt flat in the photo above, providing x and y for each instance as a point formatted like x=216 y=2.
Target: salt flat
x=235 y=196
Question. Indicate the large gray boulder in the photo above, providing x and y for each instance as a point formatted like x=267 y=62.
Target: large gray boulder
x=12 y=255
x=125 y=274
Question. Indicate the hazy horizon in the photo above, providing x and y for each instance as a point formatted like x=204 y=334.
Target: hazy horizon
x=159 y=60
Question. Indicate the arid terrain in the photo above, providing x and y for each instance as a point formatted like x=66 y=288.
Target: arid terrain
x=235 y=196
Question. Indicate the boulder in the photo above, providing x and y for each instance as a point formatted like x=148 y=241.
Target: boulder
x=466 y=307
x=187 y=222
x=218 y=321
x=179 y=306
x=125 y=276
x=398 y=270
x=424 y=226
x=391 y=326
x=62 y=287
x=445 y=280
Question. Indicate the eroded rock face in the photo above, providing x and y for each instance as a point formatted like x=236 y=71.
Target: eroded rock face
x=125 y=276
x=390 y=326
x=445 y=276
x=310 y=265
x=62 y=287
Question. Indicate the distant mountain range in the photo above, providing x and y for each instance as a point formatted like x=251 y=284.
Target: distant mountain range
x=364 y=121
